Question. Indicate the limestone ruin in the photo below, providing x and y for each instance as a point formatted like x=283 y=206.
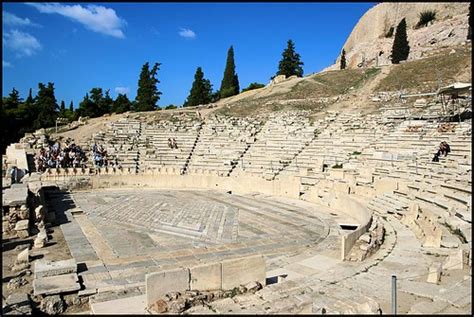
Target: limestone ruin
x=304 y=209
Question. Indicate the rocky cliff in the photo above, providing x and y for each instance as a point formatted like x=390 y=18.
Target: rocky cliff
x=368 y=44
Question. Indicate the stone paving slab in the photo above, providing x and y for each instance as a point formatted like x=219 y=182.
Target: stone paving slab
x=47 y=268
x=56 y=284
x=123 y=306
x=15 y=195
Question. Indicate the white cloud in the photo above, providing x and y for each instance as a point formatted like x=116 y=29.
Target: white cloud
x=187 y=33
x=13 y=20
x=24 y=44
x=122 y=90
x=96 y=18
x=6 y=64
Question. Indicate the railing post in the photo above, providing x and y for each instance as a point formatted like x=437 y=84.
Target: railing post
x=394 y=294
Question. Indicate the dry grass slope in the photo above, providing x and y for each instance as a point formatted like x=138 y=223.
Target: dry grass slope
x=428 y=74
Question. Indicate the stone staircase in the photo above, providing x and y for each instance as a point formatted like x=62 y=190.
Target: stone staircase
x=280 y=169
x=188 y=160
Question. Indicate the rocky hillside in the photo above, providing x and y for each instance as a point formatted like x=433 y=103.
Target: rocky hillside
x=368 y=44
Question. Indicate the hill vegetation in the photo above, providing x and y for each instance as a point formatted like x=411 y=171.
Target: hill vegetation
x=428 y=74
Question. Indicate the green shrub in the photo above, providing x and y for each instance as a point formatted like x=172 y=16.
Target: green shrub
x=253 y=86
x=425 y=18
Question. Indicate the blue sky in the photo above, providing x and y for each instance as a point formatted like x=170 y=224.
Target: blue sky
x=79 y=46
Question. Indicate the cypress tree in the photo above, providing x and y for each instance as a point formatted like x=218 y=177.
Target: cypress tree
x=147 y=93
x=30 y=99
x=71 y=107
x=62 y=108
x=343 y=59
x=201 y=90
x=230 y=81
x=400 y=49
x=46 y=105
x=290 y=64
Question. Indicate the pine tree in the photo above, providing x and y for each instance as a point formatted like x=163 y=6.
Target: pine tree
x=121 y=104
x=201 y=90
x=230 y=81
x=400 y=49
x=87 y=108
x=105 y=104
x=290 y=63
x=147 y=93
x=343 y=59
x=46 y=105
x=96 y=96
x=12 y=101
x=27 y=113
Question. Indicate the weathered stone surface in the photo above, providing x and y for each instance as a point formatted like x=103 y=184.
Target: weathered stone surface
x=134 y=305
x=22 y=225
x=18 y=303
x=241 y=271
x=15 y=195
x=45 y=268
x=22 y=234
x=365 y=237
x=177 y=306
x=160 y=283
x=16 y=282
x=18 y=299
x=20 y=267
x=457 y=260
x=428 y=308
x=23 y=256
x=52 y=305
x=206 y=277
x=161 y=306
x=24 y=213
x=56 y=284
x=39 y=213
x=40 y=241
x=434 y=275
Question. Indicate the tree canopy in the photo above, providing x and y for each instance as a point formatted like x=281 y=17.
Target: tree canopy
x=253 y=86
x=201 y=90
x=147 y=92
x=400 y=49
x=343 y=59
x=230 y=81
x=46 y=106
x=121 y=104
x=290 y=63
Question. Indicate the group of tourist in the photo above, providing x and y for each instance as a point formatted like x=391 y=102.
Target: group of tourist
x=101 y=158
x=172 y=143
x=55 y=157
x=444 y=148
